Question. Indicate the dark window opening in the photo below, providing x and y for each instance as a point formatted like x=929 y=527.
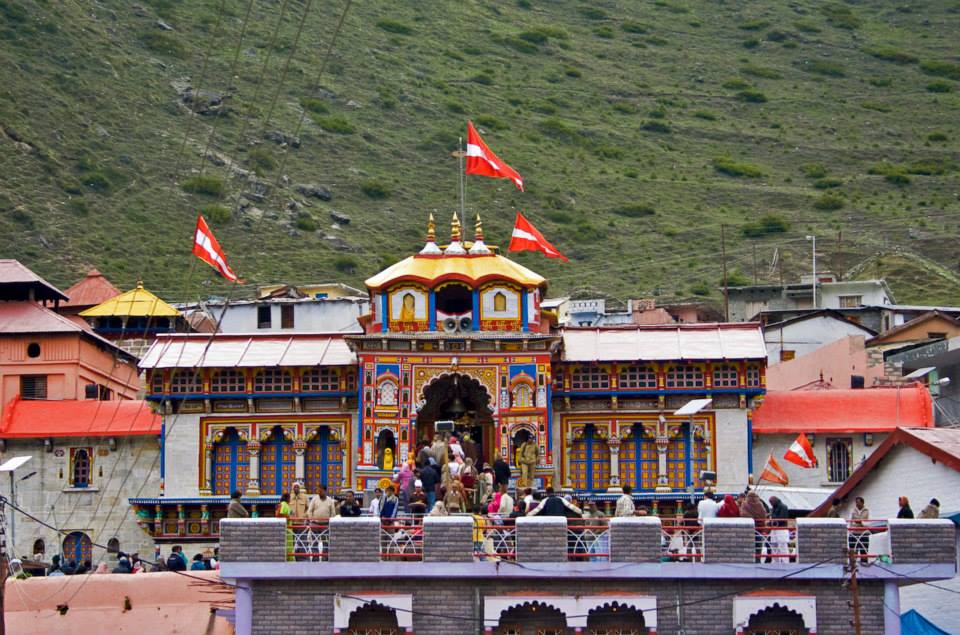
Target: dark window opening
x=81 y=469
x=264 y=317
x=33 y=350
x=39 y=547
x=90 y=391
x=113 y=546
x=286 y=316
x=33 y=386
x=454 y=299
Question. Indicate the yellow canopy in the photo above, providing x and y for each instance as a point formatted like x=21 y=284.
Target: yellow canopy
x=134 y=303
x=472 y=269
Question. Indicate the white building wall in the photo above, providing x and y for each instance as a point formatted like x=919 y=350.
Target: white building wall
x=101 y=510
x=181 y=455
x=906 y=472
x=872 y=293
x=765 y=444
x=732 y=468
x=321 y=316
x=806 y=336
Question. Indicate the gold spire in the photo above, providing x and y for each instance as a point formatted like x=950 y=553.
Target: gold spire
x=431 y=230
x=478 y=231
x=455 y=229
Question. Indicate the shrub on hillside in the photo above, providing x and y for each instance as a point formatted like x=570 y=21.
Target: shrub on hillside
x=491 y=122
x=305 y=222
x=936 y=136
x=753 y=25
x=827 y=183
x=706 y=115
x=890 y=54
x=823 y=67
x=939 y=87
x=163 y=43
x=217 y=213
x=766 y=225
x=949 y=70
x=634 y=210
x=375 y=189
x=629 y=26
x=261 y=160
x=829 y=201
x=394 y=26
x=752 y=96
x=557 y=128
x=206 y=184
x=841 y=17
x=931 y=167
x=592 y=13
x=337 y=124
x=813 y=170
x=736 y=83
x=761 y=71
x=314 y=105
x=892 y=173
x=604 y=32
x=345 y=264
x=96 y=180
x=751 y=43
x=731 y=167
x=656 y=126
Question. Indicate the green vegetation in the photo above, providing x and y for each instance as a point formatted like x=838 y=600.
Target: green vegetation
x=635 y=132
x=829 y=201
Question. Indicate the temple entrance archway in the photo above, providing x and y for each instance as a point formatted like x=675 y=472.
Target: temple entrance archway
x=460 y=398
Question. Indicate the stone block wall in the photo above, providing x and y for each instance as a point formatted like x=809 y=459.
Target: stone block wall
x=541 y=539
x=354 y=539
x=635 y=539
x=914 y=541
x=820 y=539
x=448 y=539
x=253 y=540
x=728 y=540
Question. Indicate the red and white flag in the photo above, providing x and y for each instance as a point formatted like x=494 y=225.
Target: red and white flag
x=207 y=249
x=526 y=238
x=481 y=160
x=801 y=452
x=773 y=472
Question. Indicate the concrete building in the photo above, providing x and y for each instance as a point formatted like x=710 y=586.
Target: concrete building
x=845 y=363
x=844 y=427
x=942 y=358
x=541 y=583
x=921 y=464
x=746 y=302
x=805 y=334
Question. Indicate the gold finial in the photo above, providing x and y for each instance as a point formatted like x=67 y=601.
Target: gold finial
x=431 y=230
x=139 y=283
x=478 y=231
x=455 y=229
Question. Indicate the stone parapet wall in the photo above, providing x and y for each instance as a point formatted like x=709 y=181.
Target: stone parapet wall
x=448 y=539
x=729 y=540
x=915 y=541
x=820 y=539
x=635 y=539
x=253 y=540
x=541 y=539
x=354 y=539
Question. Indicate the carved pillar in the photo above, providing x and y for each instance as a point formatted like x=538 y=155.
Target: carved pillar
x=157 y=521
x=181 y=521
x=663 y=441
x=205 y=519
x=207 y=487
x=300 y=467
x=614 y=444
x=568 y=447
x=253 y=482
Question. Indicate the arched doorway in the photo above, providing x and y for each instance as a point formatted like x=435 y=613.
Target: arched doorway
x=532 y=618
x=278 y=463
x=616 y=619
x=77 y=547
x=462 y=399
x=324 y=464
x=231 y=464
x=776 y=620
x=373 y=619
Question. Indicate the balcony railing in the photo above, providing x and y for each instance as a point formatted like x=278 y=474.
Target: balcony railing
x=308 y=540
x=494 y=539
x=681 y=540
x=588 y=539
x=775 y=540
x=401 y=538
x=868 y=539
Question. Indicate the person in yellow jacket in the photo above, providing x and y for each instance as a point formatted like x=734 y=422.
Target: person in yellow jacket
x=299 y=501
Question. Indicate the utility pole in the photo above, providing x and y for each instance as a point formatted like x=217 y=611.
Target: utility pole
x=839 y=266
x=723 y=256
x=814 y=285
x=854 y=591
x=4 y=564
x=754 y=263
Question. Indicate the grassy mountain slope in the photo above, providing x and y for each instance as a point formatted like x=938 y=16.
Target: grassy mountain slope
x=640 y=128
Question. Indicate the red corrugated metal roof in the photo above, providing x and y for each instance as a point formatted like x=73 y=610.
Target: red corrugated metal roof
x=71 y=418
x=847 y=411
x=91 y=291
x=14 y=274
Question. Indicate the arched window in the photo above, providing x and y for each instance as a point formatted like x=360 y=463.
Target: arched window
x=80 y=472
x=231 y=464
x=522 y=396
x=277 y=464
x=638 y=377
x=616 y=619
x=684 y=377
x=373 y=619
x=532 y=618
x=590 y=378
x=590 y=461
x=725 y=376
x=77 y=547
x=323 y=462
x=320 y=380
x=39 y=547
x=778 y=620
x=113 y=546
x=638 y=460
x=499 y=301
x=273 y=380
x=186 y=381
x=387 y=393
x=228 y=381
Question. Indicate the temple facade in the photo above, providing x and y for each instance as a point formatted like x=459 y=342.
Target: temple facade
x=456 y=341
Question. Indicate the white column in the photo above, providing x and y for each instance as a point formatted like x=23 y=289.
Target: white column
x=253 y=482
x=208 y=468
x=614 y=444
x=663 y=483
x=891 y=608
x=243 y=609
x=300 y=466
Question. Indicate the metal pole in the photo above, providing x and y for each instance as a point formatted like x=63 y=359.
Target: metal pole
x=814 y=272
x=13 y=515
x=723 y=256
x=855 y=592
x=463 y=182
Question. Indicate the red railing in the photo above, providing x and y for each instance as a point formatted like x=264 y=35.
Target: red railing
x=868 y=539
x=308 y=539
x=401 y=538
x=775 y=540
x=588 y=539
x=681 y=540
x=494 y=538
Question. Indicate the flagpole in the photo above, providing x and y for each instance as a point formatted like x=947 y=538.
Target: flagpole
x=461 y=180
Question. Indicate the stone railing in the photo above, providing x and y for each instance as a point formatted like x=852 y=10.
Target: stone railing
x=553 y=539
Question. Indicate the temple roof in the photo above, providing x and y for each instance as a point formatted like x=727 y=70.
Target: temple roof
x=664 y=343
x=470 y=268
x=38 y=418
x=134 y=303
x=19 y=283
x=239 y=351
x=92 y=290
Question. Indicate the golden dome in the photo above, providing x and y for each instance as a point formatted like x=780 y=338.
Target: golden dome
x=472 y=269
